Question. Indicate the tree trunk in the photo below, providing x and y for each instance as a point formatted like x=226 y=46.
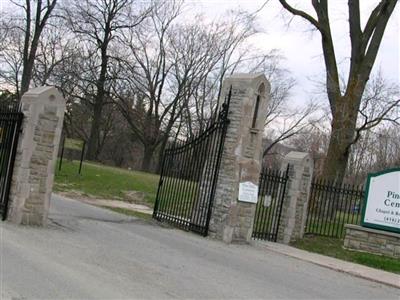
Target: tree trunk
x=28 y=65
x=335 y=169
x=343 y=126
x=94 y=137
x=29 y=56
x=337 y=157
x=344 y=121
x=26 y=78
x=147 y=158
x=161 y=155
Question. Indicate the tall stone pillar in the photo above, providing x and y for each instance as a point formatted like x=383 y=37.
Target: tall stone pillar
x=233 y=208
x=294 y=207
x=33 y=175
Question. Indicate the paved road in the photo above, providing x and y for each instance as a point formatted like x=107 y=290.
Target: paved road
x=90 y=252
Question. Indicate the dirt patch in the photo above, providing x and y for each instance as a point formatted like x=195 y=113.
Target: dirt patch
x=134 y=196
x=90 y=199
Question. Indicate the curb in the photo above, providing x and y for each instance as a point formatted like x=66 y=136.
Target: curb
x=354 y=269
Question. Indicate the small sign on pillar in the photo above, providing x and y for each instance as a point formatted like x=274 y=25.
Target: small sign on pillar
x=248 y=192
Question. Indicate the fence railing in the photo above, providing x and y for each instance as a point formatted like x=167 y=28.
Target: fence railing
x=271 y=193
x=10 y=124
x=331 y=206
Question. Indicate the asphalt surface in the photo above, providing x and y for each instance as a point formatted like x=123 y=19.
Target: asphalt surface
x=92 y=253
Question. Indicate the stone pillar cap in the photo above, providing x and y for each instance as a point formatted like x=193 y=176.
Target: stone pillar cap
x=297 y=155
x=294 y=156
x=41 y=93
x=253 y=79
x=247 y=75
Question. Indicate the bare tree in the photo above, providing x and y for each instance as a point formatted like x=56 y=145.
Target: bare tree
x=11 y=61
x=379 y=118
x=31 y=26
x=214 y=51
x=380 y=103
x=173 y=74
x=283 y=123
x=144 y=94
x=98 y=22
x=55 y=54
x=375 y=150
x=364 y=48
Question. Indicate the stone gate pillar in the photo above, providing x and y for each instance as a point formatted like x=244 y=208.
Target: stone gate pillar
x=294 y=207
x=232 y=214
x=33 y=175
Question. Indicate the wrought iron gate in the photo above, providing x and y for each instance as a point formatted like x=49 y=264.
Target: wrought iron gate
x=271 y=193
x=189 y=175
x=10 y=125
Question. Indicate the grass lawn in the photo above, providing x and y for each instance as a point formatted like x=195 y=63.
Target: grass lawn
x=105 y=182
x=333 y=247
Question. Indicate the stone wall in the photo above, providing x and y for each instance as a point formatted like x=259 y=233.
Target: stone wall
x=34 y=166
x=372 y=241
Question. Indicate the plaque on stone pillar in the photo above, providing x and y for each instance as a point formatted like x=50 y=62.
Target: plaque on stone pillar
x=248 y=192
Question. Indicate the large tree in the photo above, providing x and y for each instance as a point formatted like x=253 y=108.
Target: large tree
x=172 y=74
x=27 y=33
x=97 y=23
x=345 y=103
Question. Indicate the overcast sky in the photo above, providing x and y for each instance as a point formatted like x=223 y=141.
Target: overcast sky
x=301 y=47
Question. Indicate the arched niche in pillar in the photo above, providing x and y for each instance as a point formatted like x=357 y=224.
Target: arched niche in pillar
x=259 y=98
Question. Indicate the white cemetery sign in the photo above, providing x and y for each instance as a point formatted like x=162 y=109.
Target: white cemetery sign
x=248 y=192
x=382 y=201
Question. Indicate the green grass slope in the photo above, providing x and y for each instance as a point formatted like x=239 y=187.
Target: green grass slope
x=104 y=182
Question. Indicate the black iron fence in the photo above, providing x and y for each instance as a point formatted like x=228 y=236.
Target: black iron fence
x=10 y=125
x=189 y=175
x=271 y=193
x=331 y=206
